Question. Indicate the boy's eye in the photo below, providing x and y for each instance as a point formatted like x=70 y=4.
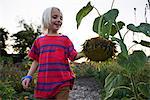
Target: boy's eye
x=54 y=17
x=61 y=17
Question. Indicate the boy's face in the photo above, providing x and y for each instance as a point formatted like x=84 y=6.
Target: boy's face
x=56 y=19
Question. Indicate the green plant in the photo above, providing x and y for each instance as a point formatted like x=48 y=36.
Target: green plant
x=10 y=79
x=98 y=48
x=124 y=85
x=84 y=69
x=6 y=91
x=24 y=38
x=13 y=73
x=3 y=38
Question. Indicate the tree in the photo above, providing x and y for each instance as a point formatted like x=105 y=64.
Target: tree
x=24 y=38
x=3 y=38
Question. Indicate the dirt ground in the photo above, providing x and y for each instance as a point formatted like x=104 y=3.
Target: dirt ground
x=85 y=88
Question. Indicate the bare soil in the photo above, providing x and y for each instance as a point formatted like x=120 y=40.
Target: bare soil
x=85 y=88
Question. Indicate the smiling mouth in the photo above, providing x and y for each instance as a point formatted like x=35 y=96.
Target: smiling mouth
x=58 y=25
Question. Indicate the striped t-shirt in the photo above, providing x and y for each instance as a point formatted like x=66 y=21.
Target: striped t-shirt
x=52 y=54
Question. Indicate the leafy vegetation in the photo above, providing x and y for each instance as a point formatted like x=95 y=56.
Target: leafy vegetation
x=10 y=79
x=3 y=38
x=24 y=38
x=123 y=85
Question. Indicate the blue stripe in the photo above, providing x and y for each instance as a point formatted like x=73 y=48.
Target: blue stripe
x=55 y=45
x=51 y=83
x=55 y=63
x=47 y=51
x=71 y=48
x=55 y=69
x=45 y=89
x=35 y=52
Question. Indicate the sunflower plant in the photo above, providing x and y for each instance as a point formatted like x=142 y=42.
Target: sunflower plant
x=118 y=86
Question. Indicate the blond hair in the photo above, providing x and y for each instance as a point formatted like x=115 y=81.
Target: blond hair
x=46 y=18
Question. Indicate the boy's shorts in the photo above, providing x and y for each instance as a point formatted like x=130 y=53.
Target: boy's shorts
x=63 y=94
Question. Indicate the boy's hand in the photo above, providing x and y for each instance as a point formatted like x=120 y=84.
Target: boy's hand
x=80 y=55
x=25 y=83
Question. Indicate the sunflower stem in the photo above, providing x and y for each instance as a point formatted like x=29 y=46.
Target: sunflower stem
x=97 y=11
x=112 y=4
x=119 y=32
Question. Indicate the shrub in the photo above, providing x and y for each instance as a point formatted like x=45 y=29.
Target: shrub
x=12 y=74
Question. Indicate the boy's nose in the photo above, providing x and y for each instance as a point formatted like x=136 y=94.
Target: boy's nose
x=59 y=20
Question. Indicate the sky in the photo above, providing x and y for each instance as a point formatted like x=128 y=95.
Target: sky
x=12 y=11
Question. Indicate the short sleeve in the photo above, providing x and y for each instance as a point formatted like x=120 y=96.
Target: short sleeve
x=34 y=52
x=72 y=53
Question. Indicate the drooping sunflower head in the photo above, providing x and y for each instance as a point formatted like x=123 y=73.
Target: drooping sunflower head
x=99 y=49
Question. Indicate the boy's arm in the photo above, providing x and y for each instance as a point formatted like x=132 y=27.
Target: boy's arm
x=79 y=55
x=26 y=80
x=33 y=68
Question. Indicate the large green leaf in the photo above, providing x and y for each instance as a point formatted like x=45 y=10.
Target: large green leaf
x=100 y=26
x=144 y=88
x=111 y=15
x=104 y=29
x=143 y=28
x=103 y=24
x=119 y=93
x=110 y=81
x=114 y=30
x=95 y=24
x=134 y=62
x=114 y=80
x=133 y=28
x=83 y=12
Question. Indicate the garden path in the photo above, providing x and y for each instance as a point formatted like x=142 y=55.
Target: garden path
x=85 y=88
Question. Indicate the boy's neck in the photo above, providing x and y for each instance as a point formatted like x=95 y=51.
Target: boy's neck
x=53 y=34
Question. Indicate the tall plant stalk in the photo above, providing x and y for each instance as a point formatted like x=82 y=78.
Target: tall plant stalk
x=134 y=87
x=117 y=27
x=112 y=4
x=97 y=11
x=145 y=14
x=148 y=4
